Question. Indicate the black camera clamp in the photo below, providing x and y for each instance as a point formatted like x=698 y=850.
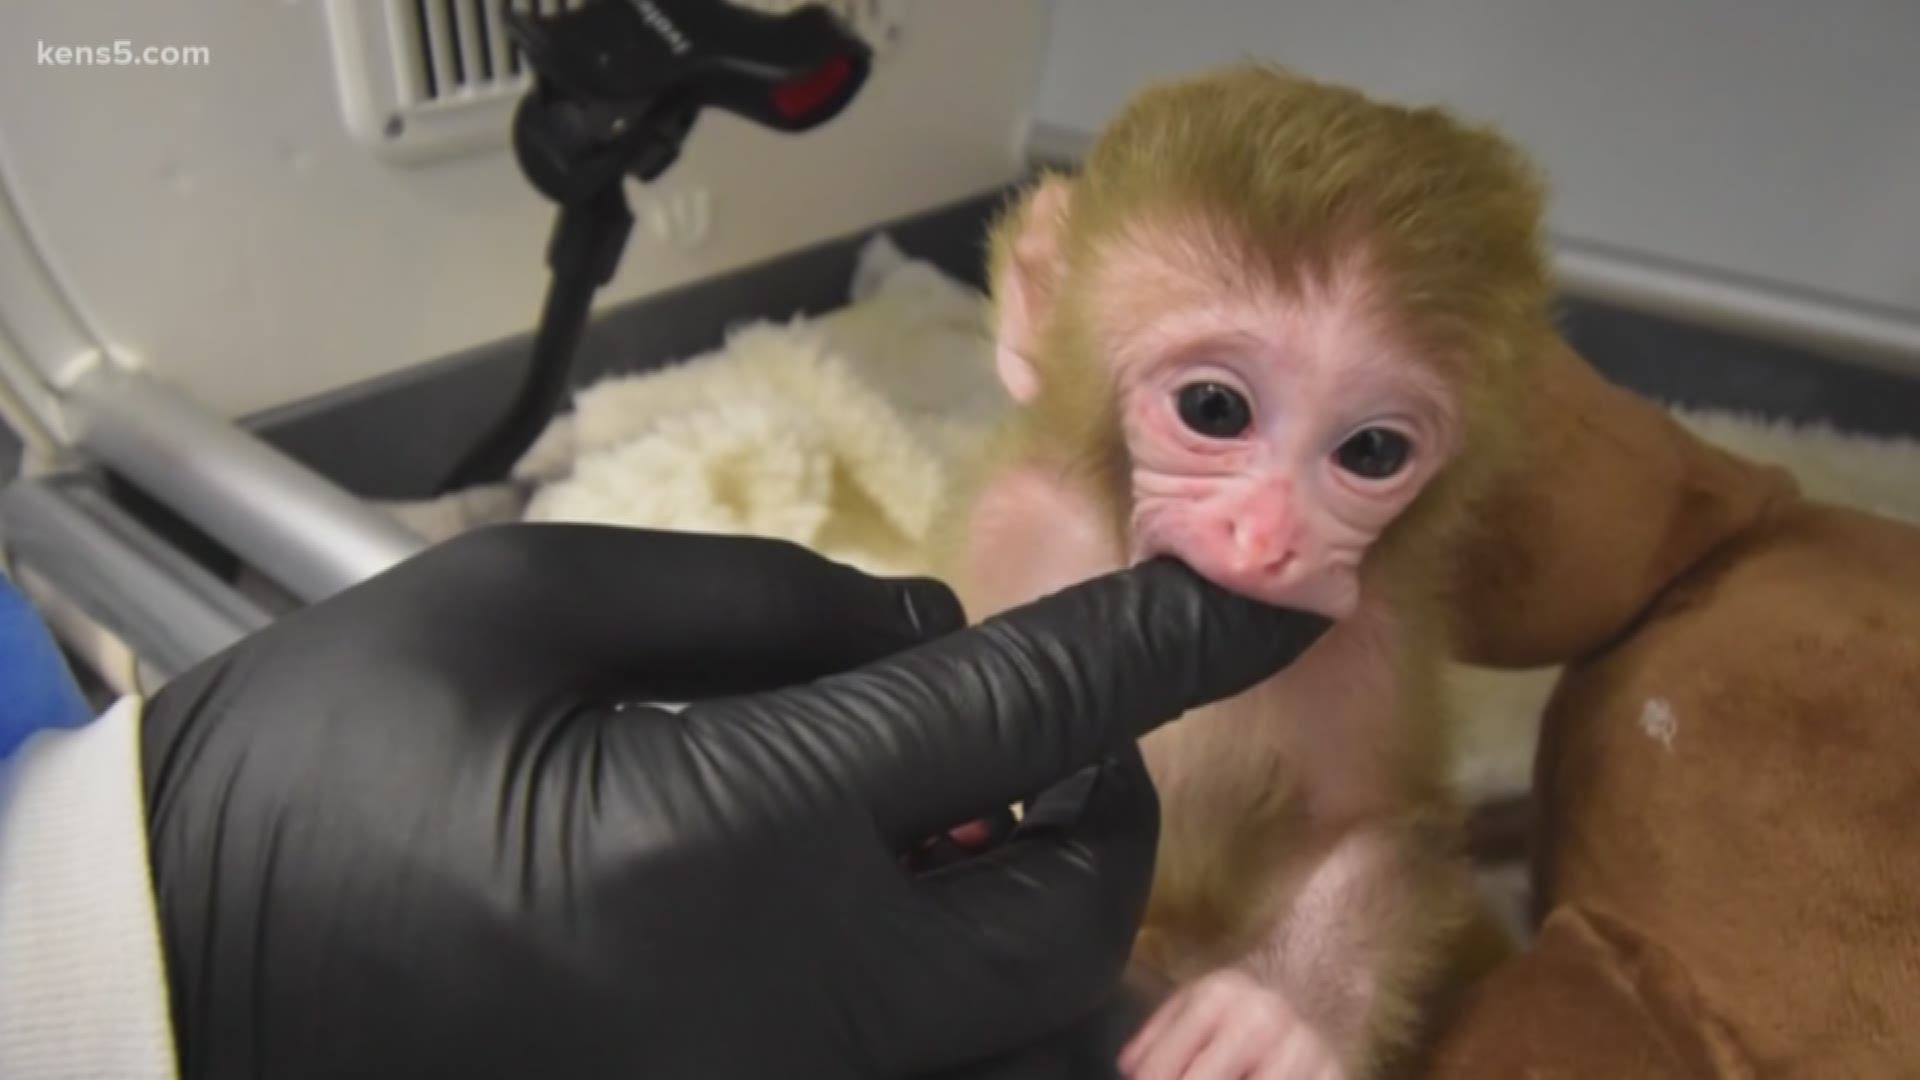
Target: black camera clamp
x=617 y=87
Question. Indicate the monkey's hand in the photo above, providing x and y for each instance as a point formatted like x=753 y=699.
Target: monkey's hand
x=1225 y=1027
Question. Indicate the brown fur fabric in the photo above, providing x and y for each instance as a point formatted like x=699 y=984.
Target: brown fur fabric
x=1728 y=784
x=1608 y=500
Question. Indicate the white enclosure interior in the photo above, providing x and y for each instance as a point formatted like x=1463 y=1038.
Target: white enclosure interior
x=221 y=224
x=226 y=224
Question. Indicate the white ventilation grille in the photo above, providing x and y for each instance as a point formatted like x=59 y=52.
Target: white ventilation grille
x=456 y=47
x=427 y=79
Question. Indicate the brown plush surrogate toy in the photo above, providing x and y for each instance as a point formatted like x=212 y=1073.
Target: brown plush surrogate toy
x=1278 y=330
x=1727 y=834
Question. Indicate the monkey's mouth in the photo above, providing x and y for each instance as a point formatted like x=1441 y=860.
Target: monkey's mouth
x=1290 y=581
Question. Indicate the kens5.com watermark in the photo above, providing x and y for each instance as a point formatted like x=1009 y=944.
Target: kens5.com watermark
x=123 y=54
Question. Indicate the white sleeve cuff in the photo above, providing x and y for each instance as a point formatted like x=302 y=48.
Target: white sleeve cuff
x=83 y=990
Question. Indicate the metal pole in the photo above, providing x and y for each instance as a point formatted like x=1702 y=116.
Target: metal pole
x=168 y=610
x=307 y=533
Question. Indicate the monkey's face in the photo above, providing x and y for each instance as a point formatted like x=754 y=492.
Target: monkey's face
x=1273 y=439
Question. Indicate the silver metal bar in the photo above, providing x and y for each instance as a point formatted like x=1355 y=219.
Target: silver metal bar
x=26 y=404
x=167 y=609
x=311 y=536
x=83 y=638
x=1871 y=337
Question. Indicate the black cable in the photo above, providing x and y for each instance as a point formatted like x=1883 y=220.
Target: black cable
x=617 y=90
x=584 y=252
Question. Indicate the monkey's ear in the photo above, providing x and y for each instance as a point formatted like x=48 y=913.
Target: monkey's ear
x=1027 y=257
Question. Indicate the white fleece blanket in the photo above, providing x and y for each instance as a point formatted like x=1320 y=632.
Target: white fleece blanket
x=836 y=432
x=839 y=433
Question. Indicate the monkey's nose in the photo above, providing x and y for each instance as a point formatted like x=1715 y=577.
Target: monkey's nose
x=1260 y=544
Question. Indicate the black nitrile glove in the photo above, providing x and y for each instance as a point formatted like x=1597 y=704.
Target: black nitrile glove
x=429 y=828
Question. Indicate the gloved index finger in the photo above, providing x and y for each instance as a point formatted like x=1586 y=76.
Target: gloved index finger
x=982 y=717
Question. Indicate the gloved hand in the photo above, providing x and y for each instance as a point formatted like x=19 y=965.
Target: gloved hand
x=430 y=827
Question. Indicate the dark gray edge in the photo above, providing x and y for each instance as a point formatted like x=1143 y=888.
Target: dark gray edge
x=1696 y=367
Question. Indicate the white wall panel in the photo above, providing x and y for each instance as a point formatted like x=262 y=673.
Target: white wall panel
x=1756 y=155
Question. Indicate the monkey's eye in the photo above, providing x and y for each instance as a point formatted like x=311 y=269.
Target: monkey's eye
x=1213 y=410
x=1374 y=453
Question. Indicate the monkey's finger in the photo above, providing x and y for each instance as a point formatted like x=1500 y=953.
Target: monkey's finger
x=949 y=731
x=1017 y=942
x=1143 y=1040
x=1232 y=1052
x=1172 y=1051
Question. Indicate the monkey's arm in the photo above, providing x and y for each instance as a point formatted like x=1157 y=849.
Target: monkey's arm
x=1347 y=981
x=1376 y=927
x=1609 y=499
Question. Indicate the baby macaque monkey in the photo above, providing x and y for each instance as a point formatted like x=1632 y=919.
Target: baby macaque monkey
x=1275 y=328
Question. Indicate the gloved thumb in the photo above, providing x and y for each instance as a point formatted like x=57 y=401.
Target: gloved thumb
x=1023 y=939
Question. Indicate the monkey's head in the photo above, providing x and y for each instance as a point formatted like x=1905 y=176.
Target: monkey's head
x=1285 y=320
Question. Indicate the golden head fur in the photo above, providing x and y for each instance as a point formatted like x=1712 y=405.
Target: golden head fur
x=1296 y=180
